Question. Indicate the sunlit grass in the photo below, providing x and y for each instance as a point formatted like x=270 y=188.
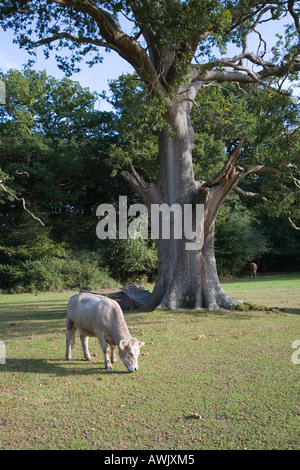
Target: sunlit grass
x=207 y=380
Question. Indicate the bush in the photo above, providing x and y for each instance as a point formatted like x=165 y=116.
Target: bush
x=9 y=276
x=131 y=259
x=54 y=274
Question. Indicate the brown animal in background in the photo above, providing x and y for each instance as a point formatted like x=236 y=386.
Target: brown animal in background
x=253 y=269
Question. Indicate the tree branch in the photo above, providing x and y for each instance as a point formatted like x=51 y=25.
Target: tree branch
x=73 y=38
x=22 y=200
x=288 y=216
x=261 y=169
x=294 y=14
x=229 y=167
x=243 y=193
x=135 y=181
x=113 y=38
x=81 y=40
x=241 y=74
x=147 y=191
x=125 y=45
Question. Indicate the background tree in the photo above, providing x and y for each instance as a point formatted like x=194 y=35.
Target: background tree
x=60 y=174
x=172 y=46
x=55 y=144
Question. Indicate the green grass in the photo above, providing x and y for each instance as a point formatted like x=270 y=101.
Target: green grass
x=207 y=380
x=281 y=291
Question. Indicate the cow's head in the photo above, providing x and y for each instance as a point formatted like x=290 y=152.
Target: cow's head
x=128 y=352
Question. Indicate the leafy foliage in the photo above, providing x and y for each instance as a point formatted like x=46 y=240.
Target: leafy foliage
x=70 y=150
x=134 y=260
x=240 y=240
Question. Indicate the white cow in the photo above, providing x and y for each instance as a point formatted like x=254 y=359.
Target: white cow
x=96 y=315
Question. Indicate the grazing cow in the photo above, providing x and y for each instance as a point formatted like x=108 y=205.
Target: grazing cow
x=95 y=315
x=253 y=269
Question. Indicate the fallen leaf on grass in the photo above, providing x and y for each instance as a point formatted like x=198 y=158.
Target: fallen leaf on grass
x=196 y=415
x=201 y=337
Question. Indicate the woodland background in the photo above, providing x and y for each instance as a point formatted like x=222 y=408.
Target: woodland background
x=63 y=155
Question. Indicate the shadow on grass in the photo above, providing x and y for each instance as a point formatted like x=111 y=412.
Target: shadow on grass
x=264 y=277
x=31 y=304
x=243 y=314
x=59 y=368
x=293 y=311
x=34 y=314
x=222 y=313
x=34 y=322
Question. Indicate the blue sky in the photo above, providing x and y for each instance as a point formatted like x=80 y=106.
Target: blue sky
x=97 y=77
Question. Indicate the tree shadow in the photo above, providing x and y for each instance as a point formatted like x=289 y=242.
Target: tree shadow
x=58 y=367
x=262 y=277
x=203 y=313
x=14 y=327
x=32 y=303
x=292 y=311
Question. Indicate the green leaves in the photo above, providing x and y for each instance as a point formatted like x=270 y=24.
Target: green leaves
x=138 y=118
x=51 y=130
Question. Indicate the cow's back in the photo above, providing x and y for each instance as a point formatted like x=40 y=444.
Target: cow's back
x=90 y=312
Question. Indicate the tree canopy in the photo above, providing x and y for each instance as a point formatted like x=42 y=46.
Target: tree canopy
x=167 y=42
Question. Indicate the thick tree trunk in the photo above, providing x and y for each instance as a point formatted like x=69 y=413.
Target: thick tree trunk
x=188 y=278
x=185 y=277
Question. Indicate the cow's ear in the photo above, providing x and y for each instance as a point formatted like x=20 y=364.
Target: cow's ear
x=141 y=343
x=123 y=344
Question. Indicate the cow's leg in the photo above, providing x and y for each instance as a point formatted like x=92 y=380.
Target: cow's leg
x=70 y=340
x=114 y=359
x=105 y=349
x=85 y=347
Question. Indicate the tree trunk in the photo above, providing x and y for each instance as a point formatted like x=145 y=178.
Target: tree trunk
x=188 y=278
x=185 y=277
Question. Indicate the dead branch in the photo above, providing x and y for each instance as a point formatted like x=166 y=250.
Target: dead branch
x=229 y=166
x=147 y=191
x=288 y=216
x=135 y=180
x=243 y=193
x=261 y=169
x=22 y=200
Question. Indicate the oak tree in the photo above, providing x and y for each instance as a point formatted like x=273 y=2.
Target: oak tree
x=177 y=48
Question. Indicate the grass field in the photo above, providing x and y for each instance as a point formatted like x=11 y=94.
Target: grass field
x=207 y=380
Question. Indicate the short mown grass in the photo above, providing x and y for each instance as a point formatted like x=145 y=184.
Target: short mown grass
x=207 y=380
